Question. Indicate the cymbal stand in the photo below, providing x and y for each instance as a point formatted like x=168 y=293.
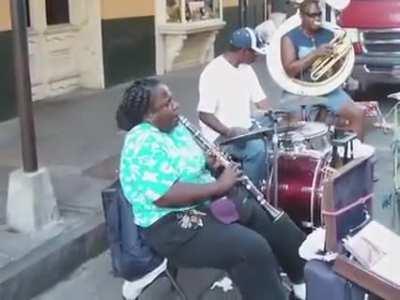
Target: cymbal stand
x=274 y=118
x=259 y=125
x=303 y=113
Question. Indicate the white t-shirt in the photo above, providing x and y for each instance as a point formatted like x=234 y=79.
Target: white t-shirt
x=227 y=92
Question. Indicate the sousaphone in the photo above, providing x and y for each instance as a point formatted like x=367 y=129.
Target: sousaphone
x=326 y=84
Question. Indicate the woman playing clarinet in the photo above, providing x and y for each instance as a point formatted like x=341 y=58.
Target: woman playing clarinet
x=191 y=217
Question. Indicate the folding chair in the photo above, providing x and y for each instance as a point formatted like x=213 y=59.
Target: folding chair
x=132 y=259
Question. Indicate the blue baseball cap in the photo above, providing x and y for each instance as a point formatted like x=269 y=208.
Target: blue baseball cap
x=247 y=38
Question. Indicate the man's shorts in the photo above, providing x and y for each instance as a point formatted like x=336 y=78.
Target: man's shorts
x=337 y=99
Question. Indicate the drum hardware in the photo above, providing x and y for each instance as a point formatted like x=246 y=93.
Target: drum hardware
x=345 y=140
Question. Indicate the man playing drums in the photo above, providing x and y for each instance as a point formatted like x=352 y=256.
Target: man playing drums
x=227 y=87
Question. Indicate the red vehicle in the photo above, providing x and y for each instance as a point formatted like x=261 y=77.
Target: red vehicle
x=374 y=26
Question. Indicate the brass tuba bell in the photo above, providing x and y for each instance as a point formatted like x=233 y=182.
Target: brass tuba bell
x=325 y=65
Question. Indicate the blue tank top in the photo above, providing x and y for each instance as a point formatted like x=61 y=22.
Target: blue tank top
x=304 y=44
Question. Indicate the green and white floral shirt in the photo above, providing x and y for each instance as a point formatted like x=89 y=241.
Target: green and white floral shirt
x=152 y=161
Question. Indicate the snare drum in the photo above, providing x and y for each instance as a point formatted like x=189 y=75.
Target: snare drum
x=291 y=142
x=316 y=136
x=300 y=177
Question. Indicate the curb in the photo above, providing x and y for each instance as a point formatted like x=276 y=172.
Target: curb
x=53 y=261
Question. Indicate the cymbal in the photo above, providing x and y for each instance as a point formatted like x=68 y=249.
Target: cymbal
x=259 y=133
x=297 y=101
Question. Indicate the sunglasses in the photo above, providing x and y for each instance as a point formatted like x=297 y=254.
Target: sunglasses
x=338 y=13
x=314 y=15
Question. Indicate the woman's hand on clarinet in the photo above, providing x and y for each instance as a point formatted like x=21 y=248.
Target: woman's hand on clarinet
x=213 y=163
x=229 y=177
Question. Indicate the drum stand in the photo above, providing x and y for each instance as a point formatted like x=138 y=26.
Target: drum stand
x=342 y=139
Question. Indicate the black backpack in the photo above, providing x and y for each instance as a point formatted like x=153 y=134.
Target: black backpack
x=130 y=256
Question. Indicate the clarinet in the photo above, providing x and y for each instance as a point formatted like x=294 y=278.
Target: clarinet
x=209 y=147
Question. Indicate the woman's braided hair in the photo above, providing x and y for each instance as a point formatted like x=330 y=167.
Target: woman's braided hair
x=135 y=103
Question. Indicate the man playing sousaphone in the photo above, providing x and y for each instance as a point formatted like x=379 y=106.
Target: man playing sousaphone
x=307 y=43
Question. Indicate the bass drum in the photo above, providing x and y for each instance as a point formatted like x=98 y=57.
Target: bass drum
x=300 y=177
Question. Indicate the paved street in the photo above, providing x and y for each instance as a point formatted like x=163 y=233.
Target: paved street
x=94 y=281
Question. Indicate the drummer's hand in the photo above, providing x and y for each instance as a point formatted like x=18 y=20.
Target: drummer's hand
x=229 y=177
x=235 y=131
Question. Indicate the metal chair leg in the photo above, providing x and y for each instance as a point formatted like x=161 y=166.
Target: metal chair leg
x=173 y=270
x=175 y=285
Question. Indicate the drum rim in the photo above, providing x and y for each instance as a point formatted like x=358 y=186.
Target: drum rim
x=324 y=129
x=316 y=154
x=290 y=134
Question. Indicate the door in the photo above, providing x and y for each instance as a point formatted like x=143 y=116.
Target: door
x=65 y=48
x=254 y=12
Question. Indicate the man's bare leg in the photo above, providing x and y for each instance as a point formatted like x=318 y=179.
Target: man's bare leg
x=354 y=114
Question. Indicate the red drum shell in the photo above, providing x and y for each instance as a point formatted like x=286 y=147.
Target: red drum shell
x=299 y=191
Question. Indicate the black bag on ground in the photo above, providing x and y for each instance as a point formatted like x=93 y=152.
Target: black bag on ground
x=131 y=258
x=324 y=284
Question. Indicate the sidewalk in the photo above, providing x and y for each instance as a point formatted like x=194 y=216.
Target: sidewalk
x=74 y=133
x=79 y=143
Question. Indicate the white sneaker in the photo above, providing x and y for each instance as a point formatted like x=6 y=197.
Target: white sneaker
x=299 y=291
x=131 y=290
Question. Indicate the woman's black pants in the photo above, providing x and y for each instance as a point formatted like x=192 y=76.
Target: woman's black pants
x=249 y=250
